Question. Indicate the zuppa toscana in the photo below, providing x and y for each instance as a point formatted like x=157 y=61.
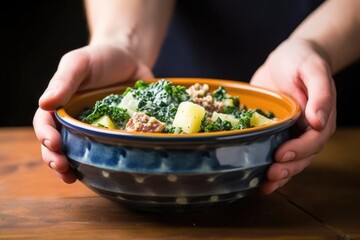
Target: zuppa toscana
x=163 y=107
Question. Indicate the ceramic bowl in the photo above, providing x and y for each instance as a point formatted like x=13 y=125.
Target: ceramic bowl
x=176 y=172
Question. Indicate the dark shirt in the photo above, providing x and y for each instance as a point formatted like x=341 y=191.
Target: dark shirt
x=227 y=39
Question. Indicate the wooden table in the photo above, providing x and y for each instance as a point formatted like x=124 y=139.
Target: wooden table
x=323 y=202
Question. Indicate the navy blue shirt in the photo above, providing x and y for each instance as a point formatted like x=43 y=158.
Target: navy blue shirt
x=227 y=39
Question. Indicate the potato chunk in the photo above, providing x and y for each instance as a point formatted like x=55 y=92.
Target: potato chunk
x=189 y=116
x=129 y=103
x=104 y=121
x=260 y=120
x=225 y=117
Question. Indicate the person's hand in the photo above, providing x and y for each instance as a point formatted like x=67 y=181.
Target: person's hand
x=89 y=67
x=300 y=69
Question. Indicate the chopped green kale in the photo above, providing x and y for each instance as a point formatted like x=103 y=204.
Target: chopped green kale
x=244 y=117
x=270 y=114
x=106 y=107
x=112 y=99
x=218 y=125
x=220 y=93
x=160 y=99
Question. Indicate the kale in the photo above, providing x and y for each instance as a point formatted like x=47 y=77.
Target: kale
x=230 y=110
x=218 y=125
x=270 y=114
x=169 y=129
x=113 y=99
x=160 y=99
x=106 y=107
x=85 y=113
x=220 y=93
x=236 y=101
x=140 y=84
x=244 y=119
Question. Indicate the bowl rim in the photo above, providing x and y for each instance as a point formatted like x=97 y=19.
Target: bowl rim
x=70 y=122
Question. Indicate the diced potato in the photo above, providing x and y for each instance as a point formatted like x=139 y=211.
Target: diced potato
x=104 y=121
x=260 y=120
x=189 y=116
x=225 y=117
x=129 y=103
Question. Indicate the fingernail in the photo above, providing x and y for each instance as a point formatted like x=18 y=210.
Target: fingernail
x=322 y=117
x=284 y=173
x=52 y=165
x=288 y=156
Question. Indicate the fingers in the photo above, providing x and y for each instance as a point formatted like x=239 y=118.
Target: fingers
x=309 y=143
x=48 y=135
x=72 y=70
x=298 y=148
x=270 y=187
x=283 y=170
x=292 y=157
x=280 y=173
x=46 y=130
x=59 y=163
x=295 y=155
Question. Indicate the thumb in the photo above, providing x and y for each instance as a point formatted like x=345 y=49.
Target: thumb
x=72 y=71
x=142 y=72
x=259 y=76
x=321 y=93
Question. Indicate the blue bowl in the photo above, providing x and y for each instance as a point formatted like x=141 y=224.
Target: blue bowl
x=175 y=173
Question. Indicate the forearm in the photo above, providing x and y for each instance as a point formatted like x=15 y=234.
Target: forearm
x=138 y=25
x=335 y=27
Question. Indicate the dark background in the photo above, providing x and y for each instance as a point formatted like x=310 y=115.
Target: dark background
x=34 y=36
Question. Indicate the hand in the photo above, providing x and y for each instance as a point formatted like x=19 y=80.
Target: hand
x=89 y=67
x=300 y=68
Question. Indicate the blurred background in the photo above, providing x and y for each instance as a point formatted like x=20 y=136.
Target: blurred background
x=35 y=34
